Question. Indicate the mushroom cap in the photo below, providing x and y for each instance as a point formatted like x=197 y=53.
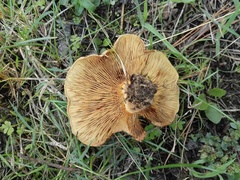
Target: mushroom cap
x=95 y=84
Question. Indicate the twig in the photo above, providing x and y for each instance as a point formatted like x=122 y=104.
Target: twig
x=186 y=132
x=122 y=16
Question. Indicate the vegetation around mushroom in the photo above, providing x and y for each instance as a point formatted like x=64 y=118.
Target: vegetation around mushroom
x=39 y=42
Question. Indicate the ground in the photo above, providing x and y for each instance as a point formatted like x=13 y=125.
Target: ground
x=40 y=40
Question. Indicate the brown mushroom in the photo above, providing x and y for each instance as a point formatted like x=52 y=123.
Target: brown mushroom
x=107 y=93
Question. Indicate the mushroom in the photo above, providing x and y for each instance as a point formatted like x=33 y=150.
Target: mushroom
x=108 y=93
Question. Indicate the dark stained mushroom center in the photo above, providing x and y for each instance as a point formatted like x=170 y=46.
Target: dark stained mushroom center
x=139 y=93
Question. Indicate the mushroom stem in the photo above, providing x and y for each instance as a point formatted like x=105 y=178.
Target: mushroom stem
x=138 y=93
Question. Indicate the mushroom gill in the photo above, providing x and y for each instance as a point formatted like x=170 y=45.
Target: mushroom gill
x=107 y=93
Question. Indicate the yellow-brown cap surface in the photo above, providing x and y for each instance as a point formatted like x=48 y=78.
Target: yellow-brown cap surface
x=107 y=93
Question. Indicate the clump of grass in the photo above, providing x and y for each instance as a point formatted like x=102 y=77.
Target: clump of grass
x=39 y=42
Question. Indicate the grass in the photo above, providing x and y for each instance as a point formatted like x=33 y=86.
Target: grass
x=37 y=48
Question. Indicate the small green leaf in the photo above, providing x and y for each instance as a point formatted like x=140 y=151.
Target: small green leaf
x=97 y=41
x=102 y=50
x=233 y=125
x=63 y=2
x=78 y=10
x=213 y=114
x=137 y=149
x=149 y=127
x=20 y=130
x=200 y=103
x=109 y=2
x=180 y=125
x=106 y=2
x=7 y=128
x=90 y=5
x=217 y=92
x=153 y=132
x=234 y=176
x=237 y=69
x=10 y=131
x=106 y=42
